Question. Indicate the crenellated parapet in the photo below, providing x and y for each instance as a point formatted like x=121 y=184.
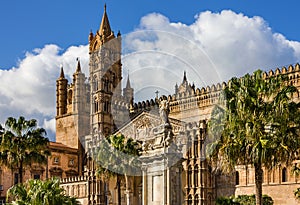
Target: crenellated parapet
x=189 y=102
x=145 y=105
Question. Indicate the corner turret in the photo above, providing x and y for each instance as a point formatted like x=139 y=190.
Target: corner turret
x=61 y=93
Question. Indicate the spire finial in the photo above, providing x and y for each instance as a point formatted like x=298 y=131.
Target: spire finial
x=78 y=69
x=62 y=74
x=184 y=77
x=105 y=29
x=128 y=82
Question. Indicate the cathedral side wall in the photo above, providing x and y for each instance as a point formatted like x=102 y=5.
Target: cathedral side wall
x=281 y=194
x=66 y=131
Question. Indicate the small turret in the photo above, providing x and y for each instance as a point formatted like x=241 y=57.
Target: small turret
x=61 y=94
x=78 y=69
x=91 y=36
x=128 y=91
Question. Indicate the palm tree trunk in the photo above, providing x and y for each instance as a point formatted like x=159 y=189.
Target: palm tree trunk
x=21 y=172
x=258 y=183
x=119 y=190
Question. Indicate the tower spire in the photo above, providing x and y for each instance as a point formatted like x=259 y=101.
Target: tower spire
x=105 y=29
x=128 y=82
x=78 y=69
x=184 y=77
x=62 y=74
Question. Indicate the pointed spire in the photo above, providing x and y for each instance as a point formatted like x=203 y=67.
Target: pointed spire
x=62 y=74
x=78 y=69
x=91 y=36
x=128 y=86
x=105 y=29
x=184 y=77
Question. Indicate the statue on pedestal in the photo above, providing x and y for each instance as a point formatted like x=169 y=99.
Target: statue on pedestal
x=164 y=111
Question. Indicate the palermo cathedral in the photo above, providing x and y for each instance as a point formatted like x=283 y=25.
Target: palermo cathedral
x=172 y=168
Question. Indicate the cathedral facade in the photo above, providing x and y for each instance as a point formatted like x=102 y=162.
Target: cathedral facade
x=171 y=129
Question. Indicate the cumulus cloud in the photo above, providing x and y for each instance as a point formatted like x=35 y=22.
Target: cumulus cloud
x=29 y=88
x=214 y=48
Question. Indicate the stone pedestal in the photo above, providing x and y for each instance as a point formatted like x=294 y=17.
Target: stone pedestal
x=161 y=164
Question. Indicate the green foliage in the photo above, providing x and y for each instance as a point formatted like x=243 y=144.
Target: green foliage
x=243 y=200
x=117 y=154
x=297 y=193
x=37 y=192
x=22 y=143
x=225 y=201
x=257 y=123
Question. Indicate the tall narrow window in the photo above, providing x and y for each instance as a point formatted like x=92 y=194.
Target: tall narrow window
x=94 y=84
x=196 y=154
x=16 y=178
x=114 y=80
x=196 y=200
x=190 y=172
x=106 y=84
x=237 y=178
x=190 y=202
x=196 y=176
x=106 y=106
x=284 y=175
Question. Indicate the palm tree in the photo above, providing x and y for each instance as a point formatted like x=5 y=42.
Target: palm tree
x=36 y=192
x=116 y=156
x=258 y=125
x=22 y=144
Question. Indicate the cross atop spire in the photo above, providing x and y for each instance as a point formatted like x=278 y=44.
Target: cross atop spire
x=105 y=29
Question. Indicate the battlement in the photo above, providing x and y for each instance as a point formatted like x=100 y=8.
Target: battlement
x=200 y=98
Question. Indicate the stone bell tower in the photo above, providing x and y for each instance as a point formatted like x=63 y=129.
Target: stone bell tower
x=105 y=75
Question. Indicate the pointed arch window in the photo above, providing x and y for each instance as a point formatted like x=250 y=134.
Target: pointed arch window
x=190 y=172
x=237 y=178
x=114 y=81
x=196 y=176
x=284 y=175
x=106 y=106
x=94 y=83
x=196 y=200
x=106 y=84
x=196 y=145
x=190 y=202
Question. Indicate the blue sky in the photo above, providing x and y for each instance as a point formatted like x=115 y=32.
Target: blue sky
x=30 y=24
x=213 y=40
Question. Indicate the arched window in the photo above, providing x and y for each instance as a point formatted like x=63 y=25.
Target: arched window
x=196 y=154
x=106 y=84
x=94 y=83
x=106 y=106
x=70 y=96
x=196 y=200
x=283 y=175
x=114 y=80
x=237 y=178
x=196 y=176
x=190 y=172
x=190 y=202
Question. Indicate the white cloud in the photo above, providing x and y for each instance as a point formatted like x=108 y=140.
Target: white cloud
x=29 y=88
x=214 y=48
